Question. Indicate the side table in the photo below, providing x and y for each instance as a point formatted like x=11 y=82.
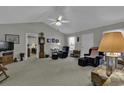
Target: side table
x=98 y=75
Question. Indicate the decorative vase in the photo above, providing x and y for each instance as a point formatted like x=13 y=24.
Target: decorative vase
x=111 y=65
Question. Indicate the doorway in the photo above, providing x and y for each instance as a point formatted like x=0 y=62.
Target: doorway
x=71 y=43
x=32 y=46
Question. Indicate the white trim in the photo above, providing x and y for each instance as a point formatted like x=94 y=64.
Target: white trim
x=36 y=35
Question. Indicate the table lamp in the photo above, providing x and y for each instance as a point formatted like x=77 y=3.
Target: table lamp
x=112 y=44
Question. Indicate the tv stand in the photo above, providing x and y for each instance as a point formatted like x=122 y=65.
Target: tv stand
x=6 y=57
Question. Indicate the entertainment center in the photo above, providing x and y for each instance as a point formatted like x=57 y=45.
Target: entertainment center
x=6 y=52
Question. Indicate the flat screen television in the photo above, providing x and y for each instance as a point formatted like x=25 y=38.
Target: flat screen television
x=4 y=46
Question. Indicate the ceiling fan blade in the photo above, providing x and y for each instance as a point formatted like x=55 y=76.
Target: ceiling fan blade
x=51 y=19
x=60 y=18
x=65 y=21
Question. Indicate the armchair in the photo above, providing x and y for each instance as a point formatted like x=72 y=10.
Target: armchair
x=92 y=58
x=64 y=52
x=76 y=53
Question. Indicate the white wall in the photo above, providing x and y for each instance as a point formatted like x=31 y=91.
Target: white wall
x=23 y=28
x=87 y=41
x=97 y=32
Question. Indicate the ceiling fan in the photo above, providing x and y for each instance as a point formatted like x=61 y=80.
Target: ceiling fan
x=58 y=21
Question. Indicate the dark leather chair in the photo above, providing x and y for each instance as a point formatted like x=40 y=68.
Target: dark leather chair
x=92 y=58
x=54 y=55
x=64 y=52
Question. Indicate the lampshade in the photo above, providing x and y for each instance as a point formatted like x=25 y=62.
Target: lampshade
x=112 y=42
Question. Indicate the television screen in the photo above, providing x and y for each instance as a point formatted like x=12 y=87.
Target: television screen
x=10 y=46
x=6 y=46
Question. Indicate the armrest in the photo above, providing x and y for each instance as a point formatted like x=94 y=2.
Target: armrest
x=60 y=52
x=99 y=57
x=86 y=54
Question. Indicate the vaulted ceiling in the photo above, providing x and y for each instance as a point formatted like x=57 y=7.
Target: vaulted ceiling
x=80 y=17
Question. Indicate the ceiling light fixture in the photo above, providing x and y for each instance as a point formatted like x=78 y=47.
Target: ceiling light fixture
x=58 y=21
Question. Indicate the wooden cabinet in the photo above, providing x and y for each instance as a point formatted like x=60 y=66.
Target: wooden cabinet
x=6 y=58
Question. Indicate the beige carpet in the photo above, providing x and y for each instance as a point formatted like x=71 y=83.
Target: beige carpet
x=48 y=72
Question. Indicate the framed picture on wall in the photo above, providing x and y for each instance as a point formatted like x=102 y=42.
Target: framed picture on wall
x=53 y=40
x=49 y=40
x=78 y=39
x=57 y=40
x=12 y=38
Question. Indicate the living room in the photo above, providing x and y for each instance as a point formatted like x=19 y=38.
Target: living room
x=60 y=41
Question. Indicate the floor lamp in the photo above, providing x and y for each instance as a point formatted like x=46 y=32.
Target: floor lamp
x=112 y=44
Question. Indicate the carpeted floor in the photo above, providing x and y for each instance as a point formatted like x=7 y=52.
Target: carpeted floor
x=36 y=72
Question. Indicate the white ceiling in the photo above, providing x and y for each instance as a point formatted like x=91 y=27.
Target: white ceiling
x=80 y=17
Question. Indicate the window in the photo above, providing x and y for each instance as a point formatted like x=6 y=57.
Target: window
x=71 y=42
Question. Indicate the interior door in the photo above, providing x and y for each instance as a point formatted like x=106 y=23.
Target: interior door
x=87 y=41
